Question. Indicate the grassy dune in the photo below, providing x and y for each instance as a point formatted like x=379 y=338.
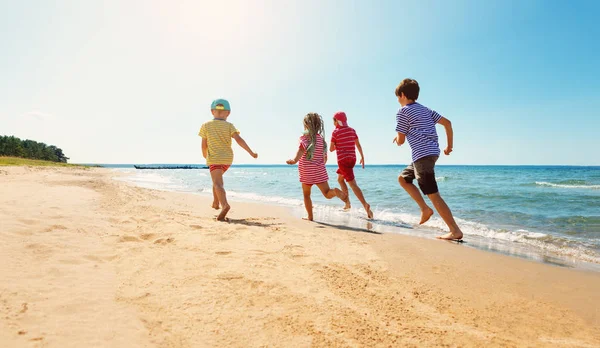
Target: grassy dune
x=15 y=161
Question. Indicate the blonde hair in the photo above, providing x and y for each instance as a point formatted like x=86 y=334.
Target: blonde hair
x=313 y=123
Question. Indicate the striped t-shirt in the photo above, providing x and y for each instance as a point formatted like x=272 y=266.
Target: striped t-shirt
x=218 y=135
x=313 y=171
x=417 y=122
x=344 y=139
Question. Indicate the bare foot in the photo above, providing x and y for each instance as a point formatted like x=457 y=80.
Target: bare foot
x=369 y=211
x=216 y=206
x=425 y=215
x=348 y=206
x=308 y=218
x=451 y=236
x=223 y=213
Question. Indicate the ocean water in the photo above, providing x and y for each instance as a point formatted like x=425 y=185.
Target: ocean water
x=545 y=213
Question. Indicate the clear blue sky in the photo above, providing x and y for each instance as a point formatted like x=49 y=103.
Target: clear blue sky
x=132 y=81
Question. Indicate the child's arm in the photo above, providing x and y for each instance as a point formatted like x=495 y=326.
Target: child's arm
x=449 y=134
x=362 y=157
x=242 y=143
x=332 y=146
x=400 y=139
x=204 y=147
x=298 y=156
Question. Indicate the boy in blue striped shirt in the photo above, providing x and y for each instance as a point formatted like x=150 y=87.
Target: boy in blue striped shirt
x=416 y=123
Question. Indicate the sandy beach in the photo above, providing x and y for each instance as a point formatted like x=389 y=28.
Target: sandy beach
x=90 y=261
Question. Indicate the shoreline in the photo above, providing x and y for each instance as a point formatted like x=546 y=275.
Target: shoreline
x=533 y=251
x=89 y=260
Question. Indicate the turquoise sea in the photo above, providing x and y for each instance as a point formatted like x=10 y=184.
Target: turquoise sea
x=545 y=213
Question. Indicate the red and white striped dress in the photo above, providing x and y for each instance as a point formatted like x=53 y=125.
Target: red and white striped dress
x=313 y=171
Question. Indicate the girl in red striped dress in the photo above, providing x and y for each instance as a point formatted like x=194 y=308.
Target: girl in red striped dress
x=312 y=155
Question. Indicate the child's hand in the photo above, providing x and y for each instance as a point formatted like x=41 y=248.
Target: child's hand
x=254 y=154
x=290 y=161
x=447 y=151
x=362 y=162
x=396 y=141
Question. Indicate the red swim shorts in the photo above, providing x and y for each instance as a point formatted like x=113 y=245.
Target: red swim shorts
x=346 y=168
x=222 y=167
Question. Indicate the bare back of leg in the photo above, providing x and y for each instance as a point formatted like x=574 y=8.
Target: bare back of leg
x=344 y=189
x=219 y=190
x=415 y=194
x=444 y=211
x=307 y=201
x=215 y=203
x=358 y=192
x=329 y=193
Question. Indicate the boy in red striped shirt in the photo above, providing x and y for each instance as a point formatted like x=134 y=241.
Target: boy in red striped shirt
x=345 y=141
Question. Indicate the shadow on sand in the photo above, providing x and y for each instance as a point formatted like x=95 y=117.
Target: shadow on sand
x=367 y=229
x=253 y=222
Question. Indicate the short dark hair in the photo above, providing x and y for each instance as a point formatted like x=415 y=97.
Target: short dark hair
x=410 y=88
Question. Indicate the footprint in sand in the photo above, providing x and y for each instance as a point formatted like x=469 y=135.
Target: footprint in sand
x=28 y=221
x=70 y=262
x=129 y=239
x=93 y=258
x=164 y=241
x=294 y=251
x=223 y=252
x=229 y=276
x=196 y=227
x=147 y=236
x=54 y=228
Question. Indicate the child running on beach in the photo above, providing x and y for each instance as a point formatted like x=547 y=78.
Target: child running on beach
x=416 y=123
x=216 y=148
x=345 y=142
x=312 y=154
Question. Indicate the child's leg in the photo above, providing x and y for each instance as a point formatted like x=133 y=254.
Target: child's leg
x=425 y=173
x=307 y=201
x=358 y=192
x=344 y=189
x=444 y=211
x=219 y=188
x=329 y=193
x=405 y=179
x=215 y=203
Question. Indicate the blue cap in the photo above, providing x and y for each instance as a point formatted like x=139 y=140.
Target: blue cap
x=220 y=104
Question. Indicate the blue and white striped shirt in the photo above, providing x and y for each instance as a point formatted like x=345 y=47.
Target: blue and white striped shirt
x=417 y=122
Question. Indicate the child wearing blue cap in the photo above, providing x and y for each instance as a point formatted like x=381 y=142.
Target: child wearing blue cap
x=216 y=148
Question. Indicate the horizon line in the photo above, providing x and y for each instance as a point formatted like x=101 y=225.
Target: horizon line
x=333 y=164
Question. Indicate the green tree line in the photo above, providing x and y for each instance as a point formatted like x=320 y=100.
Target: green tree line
x=15 y=147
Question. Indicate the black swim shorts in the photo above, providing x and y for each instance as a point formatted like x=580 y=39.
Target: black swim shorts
x=423 y=170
